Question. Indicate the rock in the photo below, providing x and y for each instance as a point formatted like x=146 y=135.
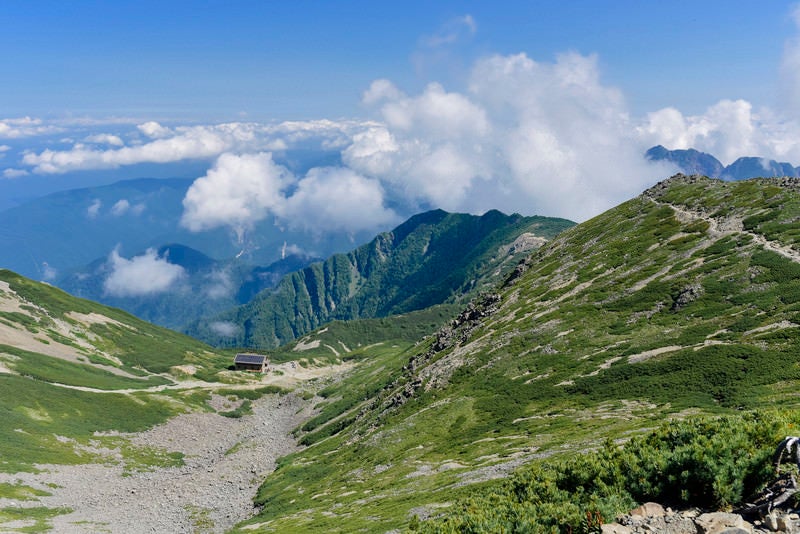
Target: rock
x=615 y=528
x=771 y=521
x=788 y=524
x=649 y=509
x=719 y=522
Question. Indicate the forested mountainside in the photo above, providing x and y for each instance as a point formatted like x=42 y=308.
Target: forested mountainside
x=432 y=258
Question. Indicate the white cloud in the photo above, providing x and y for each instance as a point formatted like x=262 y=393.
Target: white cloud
x=545 y=138
x=454 y=30
x=333 y=199
x=25 y=127
x=94 y=209
x=292 y=250
x=105 y=139
x=14 y=173
x=154 y=130
x=241 y=190
x=147 y=274
x=224 y=328
x=4 y=148
x=237 y=191
x=166 y=145
x=122 y=206
x=221 y=285
x=49 y=273
x=728 y=130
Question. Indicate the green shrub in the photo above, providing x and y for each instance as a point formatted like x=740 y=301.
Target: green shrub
x=707 y=462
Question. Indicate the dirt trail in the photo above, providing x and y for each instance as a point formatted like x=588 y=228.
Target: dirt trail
x=730 y=225
x=288 y=376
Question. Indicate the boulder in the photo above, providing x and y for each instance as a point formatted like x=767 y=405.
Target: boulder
x=649 y=509
x=719 y=522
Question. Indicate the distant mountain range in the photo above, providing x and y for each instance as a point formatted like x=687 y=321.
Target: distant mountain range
x=205 y=286
x=692 y=161
x=55 y=234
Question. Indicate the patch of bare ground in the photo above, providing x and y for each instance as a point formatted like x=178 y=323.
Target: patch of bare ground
x=646 y=355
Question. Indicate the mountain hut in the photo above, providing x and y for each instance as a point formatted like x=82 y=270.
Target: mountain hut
x=255 y=363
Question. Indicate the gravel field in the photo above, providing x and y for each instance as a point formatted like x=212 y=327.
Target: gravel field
x=225 y=461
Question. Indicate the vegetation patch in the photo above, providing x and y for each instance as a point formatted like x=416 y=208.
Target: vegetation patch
x=36 y=519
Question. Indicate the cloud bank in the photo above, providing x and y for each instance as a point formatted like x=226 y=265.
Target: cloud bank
x=528 y=137
x=143 y=275
x=166 y=145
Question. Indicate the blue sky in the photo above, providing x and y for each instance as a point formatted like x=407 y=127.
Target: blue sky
x=218 y=60
x=352 y=115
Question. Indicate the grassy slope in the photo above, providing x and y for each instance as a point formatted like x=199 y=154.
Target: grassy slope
x=47 y=423
x=551 y=369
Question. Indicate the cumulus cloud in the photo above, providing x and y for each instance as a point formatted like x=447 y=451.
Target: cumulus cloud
x=241 y=190
x=154 y=130
x=123 y=206
x=336 y=199
x=728 y=129
x=105 y=139
x=94 y=208
x=532 y=137
x=238 y=191
x=147 y=274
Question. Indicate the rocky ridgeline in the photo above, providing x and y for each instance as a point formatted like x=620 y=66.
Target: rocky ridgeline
x=652 y=517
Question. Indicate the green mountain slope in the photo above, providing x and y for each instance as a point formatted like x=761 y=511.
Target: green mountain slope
x=70 y=368
x=432 y=258
x=684 y=300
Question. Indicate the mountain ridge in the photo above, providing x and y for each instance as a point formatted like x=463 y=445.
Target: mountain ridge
x=691 y=161
x=432 y=257
x=636 y=316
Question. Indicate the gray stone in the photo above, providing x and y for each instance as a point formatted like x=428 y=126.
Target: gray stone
x=649 y=509
x=615 y=528
x=717 y=522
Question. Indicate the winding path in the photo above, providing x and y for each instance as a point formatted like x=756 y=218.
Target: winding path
x=730 y=225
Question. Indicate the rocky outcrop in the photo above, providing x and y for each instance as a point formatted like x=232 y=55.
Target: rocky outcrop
x=652 y=517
